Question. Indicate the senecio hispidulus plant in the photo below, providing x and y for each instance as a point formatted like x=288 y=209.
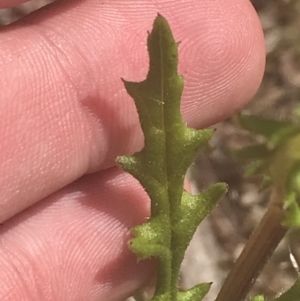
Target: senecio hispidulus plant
x=170 y=147
x=277 y=159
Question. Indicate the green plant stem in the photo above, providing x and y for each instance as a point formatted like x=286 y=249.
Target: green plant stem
x=257 y=251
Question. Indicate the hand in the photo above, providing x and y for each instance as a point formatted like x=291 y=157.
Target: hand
x=64 y=116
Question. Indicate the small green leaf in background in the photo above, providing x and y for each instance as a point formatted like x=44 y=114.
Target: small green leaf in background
x=170 y=147
x=293 y=294
x=258 y=298
x=252 y=152
x=270 y=128
x=278 y=159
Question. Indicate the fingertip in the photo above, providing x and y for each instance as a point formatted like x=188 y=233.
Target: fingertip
x=63 y=100
x=74 y=244
x=9 y=3
x=222 y=62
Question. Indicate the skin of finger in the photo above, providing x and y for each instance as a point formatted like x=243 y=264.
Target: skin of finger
x=63 y=108
x=10 y=3
x=74 y=244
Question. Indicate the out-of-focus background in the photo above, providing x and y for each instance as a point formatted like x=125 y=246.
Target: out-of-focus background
x=220 y=239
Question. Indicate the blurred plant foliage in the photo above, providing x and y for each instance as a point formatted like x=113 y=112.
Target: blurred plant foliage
x=277 y=159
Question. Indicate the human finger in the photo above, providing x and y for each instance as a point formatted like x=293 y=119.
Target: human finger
x=63 y=108
x=74 y=244
x=10 y=3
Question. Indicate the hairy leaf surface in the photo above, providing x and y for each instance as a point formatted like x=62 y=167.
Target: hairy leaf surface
x=170 y=147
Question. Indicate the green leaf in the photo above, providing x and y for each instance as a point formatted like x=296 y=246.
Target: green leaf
x=258 y=298
x=170 y=147
x=252 y=152
x=264 y=126
x=197 y=293
x=293 y=294
x=256 y=167
x=266 y=183
x=283 y=161
x=292 y=218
